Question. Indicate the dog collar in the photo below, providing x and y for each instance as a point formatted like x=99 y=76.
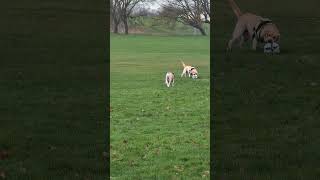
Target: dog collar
x=256 y=31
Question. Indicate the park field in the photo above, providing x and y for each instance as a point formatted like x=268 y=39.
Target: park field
x=156 y=131
x=266 y=113
x=53 y=90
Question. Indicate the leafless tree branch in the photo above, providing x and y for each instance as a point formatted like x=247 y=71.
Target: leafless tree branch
x=190 y=12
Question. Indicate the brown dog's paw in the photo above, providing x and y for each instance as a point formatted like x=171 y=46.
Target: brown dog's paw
x=228 y=49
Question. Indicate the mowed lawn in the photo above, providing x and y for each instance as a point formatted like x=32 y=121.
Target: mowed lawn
x=53 y=91
x=266 y=113
x=159 y=132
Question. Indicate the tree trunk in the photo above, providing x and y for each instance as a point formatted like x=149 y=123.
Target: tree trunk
x=200 y=28
x=125 y=22
x=115 y=29
x=203 y=32
x=115 y=26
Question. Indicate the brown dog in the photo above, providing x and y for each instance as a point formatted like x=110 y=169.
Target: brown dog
x=190 y=70
x=252 y=27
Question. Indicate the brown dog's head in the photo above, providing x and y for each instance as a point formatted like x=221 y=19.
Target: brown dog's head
x=270 y=37
x=270 y=33
x=194 y=73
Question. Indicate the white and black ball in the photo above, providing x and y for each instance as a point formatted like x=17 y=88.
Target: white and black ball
x=271 y=48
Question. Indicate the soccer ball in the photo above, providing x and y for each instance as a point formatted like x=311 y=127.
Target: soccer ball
x=271 y=48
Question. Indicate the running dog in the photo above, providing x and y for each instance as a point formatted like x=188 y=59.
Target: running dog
x=169 y=79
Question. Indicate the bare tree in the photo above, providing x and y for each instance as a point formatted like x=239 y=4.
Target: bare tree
x=142 y=11
x=168 y=16
x=189 y=12
x=121 y=11
x=205 y=4
x=140 y=14
x=126 y=7
x=115 y=14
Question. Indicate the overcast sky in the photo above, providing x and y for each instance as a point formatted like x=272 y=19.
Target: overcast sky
x=154 y=5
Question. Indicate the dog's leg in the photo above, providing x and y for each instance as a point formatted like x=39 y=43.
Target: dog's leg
x=229 y=47
x=183 y=72
x=172 y=82
x=167 y=81
x=241 y=41
x=254 y=43
x=236 y=35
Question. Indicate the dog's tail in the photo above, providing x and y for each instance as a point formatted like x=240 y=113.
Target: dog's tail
x=235 y=8
x=183 y=63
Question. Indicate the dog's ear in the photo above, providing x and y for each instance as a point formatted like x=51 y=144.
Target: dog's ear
x=275 y=36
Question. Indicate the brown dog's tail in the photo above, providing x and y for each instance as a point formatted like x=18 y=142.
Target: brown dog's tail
x=235 y=8
x=183 y=63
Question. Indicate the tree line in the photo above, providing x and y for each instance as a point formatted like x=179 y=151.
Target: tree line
x=193 y=13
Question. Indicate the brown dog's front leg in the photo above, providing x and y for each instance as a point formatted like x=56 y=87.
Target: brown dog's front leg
x=241 y=41
x=229 y=45
x=254 y=44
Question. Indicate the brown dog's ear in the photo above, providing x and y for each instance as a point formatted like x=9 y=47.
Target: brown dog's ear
x=277 y=37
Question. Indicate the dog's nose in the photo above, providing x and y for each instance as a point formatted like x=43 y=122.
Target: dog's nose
x=270 y=41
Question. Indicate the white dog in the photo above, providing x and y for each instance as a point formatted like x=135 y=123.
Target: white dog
x=190 y=70
x=169 y=79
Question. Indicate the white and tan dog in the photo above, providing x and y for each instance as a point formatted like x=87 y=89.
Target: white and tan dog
x=190 y=70
x=252 y=27
x=169 y=79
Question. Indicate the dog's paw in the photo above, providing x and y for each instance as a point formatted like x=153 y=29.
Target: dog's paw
x=228 y=49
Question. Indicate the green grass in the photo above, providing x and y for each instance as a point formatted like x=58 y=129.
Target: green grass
x=266 y=108
x=159 y=132
x=52 y=90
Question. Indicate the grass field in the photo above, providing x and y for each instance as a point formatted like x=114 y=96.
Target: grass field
x=266 y=108
x=52 y=92
x=159 y=132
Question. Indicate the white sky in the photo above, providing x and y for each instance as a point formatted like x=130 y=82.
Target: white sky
x=154 y=5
